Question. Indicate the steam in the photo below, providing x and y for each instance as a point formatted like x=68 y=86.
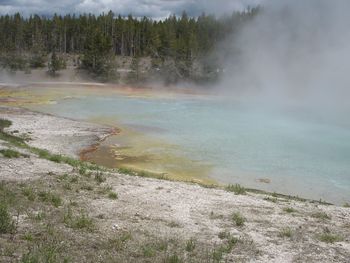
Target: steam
x=293 y=51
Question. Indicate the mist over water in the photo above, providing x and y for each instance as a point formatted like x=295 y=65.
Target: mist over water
x=293 y=52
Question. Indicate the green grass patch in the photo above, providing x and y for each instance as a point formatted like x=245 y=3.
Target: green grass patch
x=8 y=153
x=118 y=242
x=113 y=196
x=145 y=174
x=321 y=215
x=99 y=178
x=190 y=245
x=286 y=232
x=51 y=198
x=224 y=235
x=29 y=193
x=4 y=124
x=14 y=140
x=148 y=251
x=271 y=199
x=79 y=222
x=173 y=259
x=330 y=238
x=236 y=188
x=86 y=187
x=238 y=219
x=7 y=225
x=289 y=210
x=28 y=237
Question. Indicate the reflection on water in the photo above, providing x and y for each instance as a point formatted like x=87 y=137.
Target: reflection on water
x=294 y=152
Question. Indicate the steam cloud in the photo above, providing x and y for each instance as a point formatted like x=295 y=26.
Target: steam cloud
x=293 y=51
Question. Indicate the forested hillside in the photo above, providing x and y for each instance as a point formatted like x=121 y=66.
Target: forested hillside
x=28 y=42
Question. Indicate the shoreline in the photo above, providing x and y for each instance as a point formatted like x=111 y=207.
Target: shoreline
x=105 y=131
x=230 y=224
x=93 y=147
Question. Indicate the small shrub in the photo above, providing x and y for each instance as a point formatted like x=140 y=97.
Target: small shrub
x=63 y=177
x=56 y=158
x=99 y=178
x=28 y=237
x=29 y=193
x=81 y=222
x=40 y=216
x=148 y=251
x=46 y=252
x=286 y=232
x=273 y=200
x=238 y=219
x=49 y=197
x=87 y=187
x=162 y=245
x=82 y=170
x=190 y=245
x=118 y=243
x=73 y=180
x=232 y=241
x=113 y=196
x=7 y=225
x=321 y=215
x=173 y=259
x=4 y=124
x=330 y=238
x=173 y=224
x=289 y=210
x=15 y=140
x=67 y=187
x=223 y=235
x=237 y=189
x=219 y=252
x=347 y=205
x=128 y=171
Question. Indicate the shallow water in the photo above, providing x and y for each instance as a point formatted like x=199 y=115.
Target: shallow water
x=300 y=153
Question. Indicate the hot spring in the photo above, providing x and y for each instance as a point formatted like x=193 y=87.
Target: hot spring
x=288 y=151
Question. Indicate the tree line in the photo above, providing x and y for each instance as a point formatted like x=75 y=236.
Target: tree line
x=97 y=38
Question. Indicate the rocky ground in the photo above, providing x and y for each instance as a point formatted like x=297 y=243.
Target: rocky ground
x=57 y=209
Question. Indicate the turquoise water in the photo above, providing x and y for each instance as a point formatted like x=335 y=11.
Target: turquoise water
x=300 y=152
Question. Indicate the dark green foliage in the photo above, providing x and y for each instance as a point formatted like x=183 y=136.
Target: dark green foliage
x=26 y=41
x=37 y=60
x=238 y=219
x=7 y=225
x=55 y=64
x=4 y=124
x=8 y=153
x=330 y=238
x=99 y=178
x=113 y=196
x=49 y=197
x=190 y=245
x=321 y=215
x=15 y=140
x=98 y=57
x=173 y=259
x=237 y=189
x=289 y=210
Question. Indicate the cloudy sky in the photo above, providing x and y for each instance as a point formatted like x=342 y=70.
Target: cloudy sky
x=151 y=8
